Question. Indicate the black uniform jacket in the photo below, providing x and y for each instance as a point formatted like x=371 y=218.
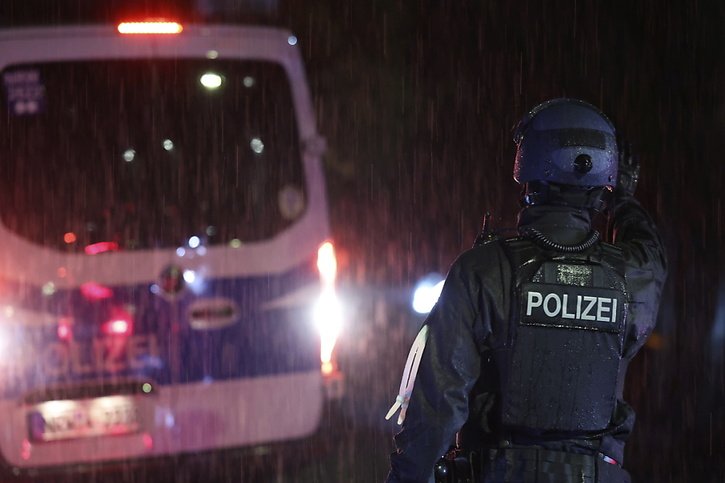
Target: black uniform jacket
x=454 y=390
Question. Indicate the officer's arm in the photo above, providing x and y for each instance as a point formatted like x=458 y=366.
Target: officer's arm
x=449 y=367
x=646 y=263
x=634 y=230
x=636 y=233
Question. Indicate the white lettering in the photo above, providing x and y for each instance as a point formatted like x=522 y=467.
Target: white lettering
x=602 y=309
x=592 y=300
x=564 y=313
x=530 y=303
x=110 y=354
x=552 y=296
x=578 y=306
x=586 y=307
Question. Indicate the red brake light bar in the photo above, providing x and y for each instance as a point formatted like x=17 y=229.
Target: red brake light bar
x=151 y=27
x=100 y=247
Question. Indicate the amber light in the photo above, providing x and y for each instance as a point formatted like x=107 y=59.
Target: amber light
x=327 y=312
x=156 y=27
x=327 y=368
x=327 y=263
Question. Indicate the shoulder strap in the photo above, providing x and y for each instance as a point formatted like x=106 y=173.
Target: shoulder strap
x=521 y=252
x=613 y=256
x=524 y=259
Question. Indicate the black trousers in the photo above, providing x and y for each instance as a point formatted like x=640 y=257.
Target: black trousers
x=532 y=465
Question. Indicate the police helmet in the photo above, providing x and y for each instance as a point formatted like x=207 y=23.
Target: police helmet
x=566 y=141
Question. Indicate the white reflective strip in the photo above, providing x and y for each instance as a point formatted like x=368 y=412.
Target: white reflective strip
x=409 y=374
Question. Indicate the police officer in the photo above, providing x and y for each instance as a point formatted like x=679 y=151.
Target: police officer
x=522 y=361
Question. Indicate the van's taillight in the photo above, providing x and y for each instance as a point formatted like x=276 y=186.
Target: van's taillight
x=327 y=263
x=65 y=328
x=327 y=310
x=150 y=27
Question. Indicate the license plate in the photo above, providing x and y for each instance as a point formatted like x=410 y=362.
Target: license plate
x=103 y=416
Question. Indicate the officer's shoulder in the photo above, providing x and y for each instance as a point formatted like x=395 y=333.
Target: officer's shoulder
x=610 y=249
x=490 y=251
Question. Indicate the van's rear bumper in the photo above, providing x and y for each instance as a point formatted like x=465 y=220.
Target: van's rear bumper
x=183 y=419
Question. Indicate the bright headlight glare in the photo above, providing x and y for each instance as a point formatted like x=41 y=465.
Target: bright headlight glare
x=327 y=316
x=426 y=295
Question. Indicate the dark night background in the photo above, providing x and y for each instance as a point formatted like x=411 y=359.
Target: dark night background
x=417 y=100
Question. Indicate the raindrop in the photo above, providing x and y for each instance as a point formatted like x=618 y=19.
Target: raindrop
x=194 y=241
x=292 y=40
x=212 y=54
x=248 y=81
x=129 y=155
x=168 y=144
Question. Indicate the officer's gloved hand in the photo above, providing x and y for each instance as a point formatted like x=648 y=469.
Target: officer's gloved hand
x=628 y=170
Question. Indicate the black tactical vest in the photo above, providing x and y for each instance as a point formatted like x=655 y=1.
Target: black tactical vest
x=561 y=367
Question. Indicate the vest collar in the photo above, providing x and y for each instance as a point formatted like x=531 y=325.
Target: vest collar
x=562 y=224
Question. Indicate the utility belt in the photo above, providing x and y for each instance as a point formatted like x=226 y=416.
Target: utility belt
x=528 y=465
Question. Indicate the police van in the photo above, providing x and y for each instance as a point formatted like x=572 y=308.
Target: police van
x=167 y=281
